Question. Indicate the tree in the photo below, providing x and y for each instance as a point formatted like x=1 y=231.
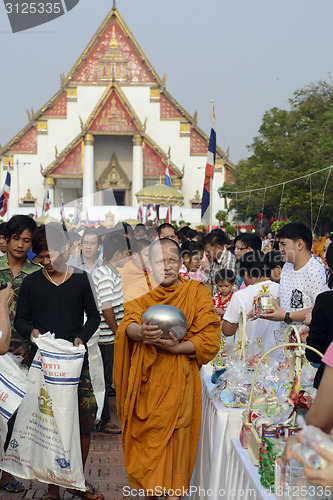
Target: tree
x=290 y=144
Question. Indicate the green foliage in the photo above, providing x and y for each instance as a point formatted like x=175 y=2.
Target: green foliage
x=290 y=144
x=231 y=230
x=276 y=225
x=222 y=216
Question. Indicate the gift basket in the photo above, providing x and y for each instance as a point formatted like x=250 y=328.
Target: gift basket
x=263 y=302
x=234 y=368
x=273 y=414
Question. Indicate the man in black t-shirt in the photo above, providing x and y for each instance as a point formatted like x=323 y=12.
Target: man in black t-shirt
x=55 y=299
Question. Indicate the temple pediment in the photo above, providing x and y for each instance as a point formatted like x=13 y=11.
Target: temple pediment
x=113 y=176
x=27 y=143
x=113 y=54
x=113 y=115
x=69 y=163
x=58 y=109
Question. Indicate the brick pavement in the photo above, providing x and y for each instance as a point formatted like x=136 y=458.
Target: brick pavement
x=104 y=468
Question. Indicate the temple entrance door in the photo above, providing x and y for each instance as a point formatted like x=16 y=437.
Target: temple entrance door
x=115 y=197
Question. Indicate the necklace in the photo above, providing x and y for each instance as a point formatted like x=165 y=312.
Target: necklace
x=57 y=284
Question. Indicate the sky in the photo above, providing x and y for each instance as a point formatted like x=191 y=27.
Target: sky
x=247 y=56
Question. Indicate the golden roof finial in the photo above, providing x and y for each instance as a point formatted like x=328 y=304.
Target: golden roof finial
x=164 y=81
x=56 y=151
x=62 y=80
x=195 y=117
x=81 y=123
x=31 y=115
x=169 y=152
x=41 y=169
x=145 y=125
x=114 y=5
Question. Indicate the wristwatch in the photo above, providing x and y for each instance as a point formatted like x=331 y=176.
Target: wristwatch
x=287 y=319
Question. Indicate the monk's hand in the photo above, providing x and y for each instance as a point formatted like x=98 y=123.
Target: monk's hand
x=171 y=344
x=77 y=342
x=150 y=333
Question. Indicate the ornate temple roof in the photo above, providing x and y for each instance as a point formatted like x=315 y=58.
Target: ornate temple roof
x=112 y=57
x=112 y=115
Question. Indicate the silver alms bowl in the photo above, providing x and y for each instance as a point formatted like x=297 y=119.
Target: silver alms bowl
x=167 y=318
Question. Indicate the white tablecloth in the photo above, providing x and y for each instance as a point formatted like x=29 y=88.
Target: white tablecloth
x=243 y=480
x=218 y=426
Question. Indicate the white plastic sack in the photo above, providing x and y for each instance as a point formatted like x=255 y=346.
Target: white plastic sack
x=13 y=385
x=45 y=444
x=96 y=370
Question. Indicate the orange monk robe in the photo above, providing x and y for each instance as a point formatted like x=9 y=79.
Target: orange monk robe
x=135 y=282
x=159 y=393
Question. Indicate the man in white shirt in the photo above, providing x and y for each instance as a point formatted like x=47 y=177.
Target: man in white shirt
x=253 y=271
x=107 y=281
x=88 y=259
x=303 y=277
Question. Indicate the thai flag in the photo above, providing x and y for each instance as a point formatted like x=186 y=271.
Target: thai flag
x=209 y=174
x=167 y=175
x=140 y=215
x=62 y=209
x=148 y=213
x=169 y=215
x=46 y=201
x=4 y=196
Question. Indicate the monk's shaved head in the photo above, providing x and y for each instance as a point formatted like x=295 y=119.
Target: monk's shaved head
x=163 y=242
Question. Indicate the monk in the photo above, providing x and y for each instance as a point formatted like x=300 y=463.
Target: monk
x=157 y=380
x=134 y=274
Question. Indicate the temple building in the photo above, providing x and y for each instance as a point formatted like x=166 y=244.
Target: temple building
x=112 y=125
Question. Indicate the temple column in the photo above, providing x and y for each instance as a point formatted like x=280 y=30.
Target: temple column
x=137 y=177
x=50 y=185
x=88 y=187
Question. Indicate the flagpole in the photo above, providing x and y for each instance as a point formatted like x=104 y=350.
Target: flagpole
x=211 y=180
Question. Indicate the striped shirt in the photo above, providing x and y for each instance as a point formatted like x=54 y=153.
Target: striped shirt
x=226 y=261
x=109 y=289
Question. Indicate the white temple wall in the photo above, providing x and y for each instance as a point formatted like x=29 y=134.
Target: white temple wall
x=87 y=98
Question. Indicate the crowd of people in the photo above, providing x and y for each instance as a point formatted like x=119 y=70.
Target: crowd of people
x=73 y=285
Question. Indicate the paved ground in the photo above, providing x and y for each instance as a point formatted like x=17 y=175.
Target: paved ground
x=104 y=468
